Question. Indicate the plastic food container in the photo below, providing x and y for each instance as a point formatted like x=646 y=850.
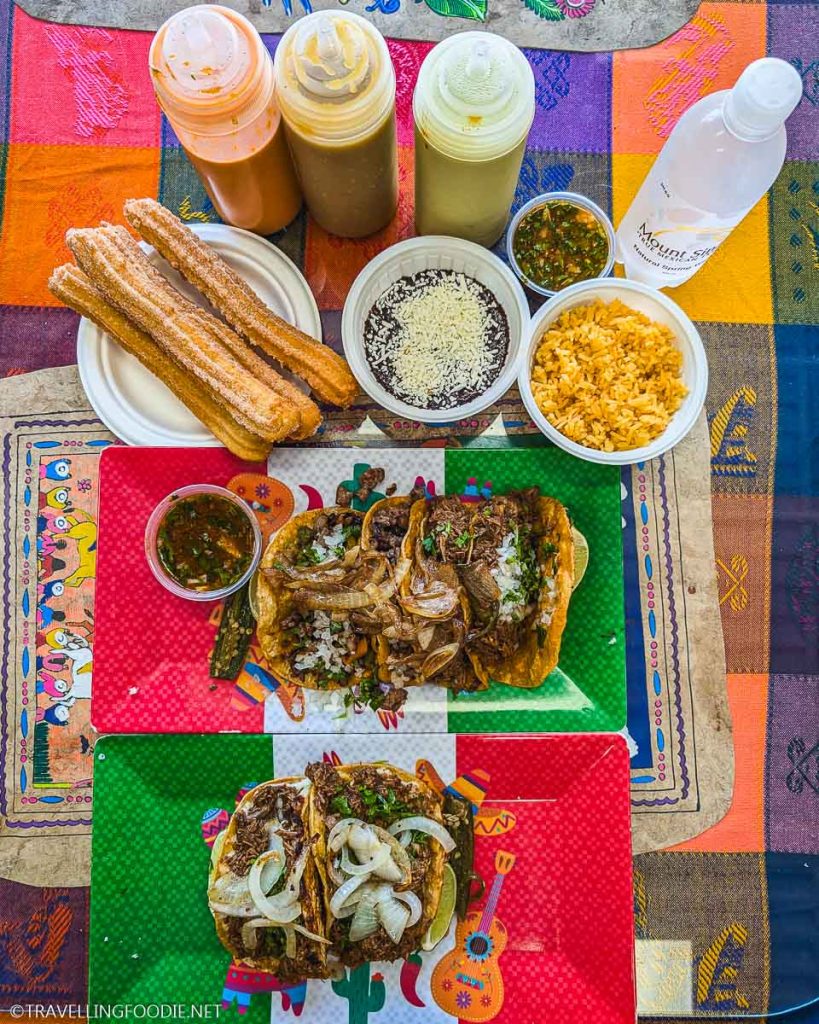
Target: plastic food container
x=550 y=197
x=152 y=529
x=406 y=259
x=658 y=307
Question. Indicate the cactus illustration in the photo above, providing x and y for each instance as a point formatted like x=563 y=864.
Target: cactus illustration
x=365 y=995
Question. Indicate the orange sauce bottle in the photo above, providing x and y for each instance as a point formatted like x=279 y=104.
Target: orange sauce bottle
x=214 y=79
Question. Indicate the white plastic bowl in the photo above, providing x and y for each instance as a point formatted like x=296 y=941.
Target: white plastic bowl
x=427 y=253
x=658 y=307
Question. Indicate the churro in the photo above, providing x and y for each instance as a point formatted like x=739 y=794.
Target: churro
x=69 y=284
x=324 y=370
x=118 y=267
x=308 y=413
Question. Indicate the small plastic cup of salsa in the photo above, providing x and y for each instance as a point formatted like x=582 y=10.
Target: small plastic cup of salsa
x=203 y=542
x=558 y=239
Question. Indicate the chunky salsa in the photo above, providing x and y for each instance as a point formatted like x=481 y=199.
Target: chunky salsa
x=559 y=243
x=205 y=542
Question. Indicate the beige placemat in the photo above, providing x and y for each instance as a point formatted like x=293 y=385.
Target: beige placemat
x=50 y=450
x=683 y=783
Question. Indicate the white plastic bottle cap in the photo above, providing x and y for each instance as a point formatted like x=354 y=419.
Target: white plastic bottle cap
x=764 y=96
x=475 y=96
x=334 y=76
x=202 y=52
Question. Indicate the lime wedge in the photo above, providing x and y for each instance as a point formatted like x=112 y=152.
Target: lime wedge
x=581 y=556
x=446 y=908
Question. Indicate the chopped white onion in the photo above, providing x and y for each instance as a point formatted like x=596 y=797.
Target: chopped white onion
x=274 y=906
x=363 y=841
x=230 y=888
x=427 y=826
x=308 y=934
x=398 y=869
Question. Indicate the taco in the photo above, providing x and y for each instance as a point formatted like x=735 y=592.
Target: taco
x=513 y=556
x=380 y=849
x=423 y=641
x=263 y=888
x=305 y=580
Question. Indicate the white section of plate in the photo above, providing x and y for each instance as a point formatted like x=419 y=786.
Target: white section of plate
x=134 y=404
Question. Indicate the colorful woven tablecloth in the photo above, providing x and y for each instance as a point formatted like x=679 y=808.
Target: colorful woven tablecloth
x=80 y=131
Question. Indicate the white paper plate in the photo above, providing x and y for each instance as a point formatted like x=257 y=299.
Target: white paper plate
x=134 y=404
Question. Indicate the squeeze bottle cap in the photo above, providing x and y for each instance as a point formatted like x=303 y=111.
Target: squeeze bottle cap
x=764 y=96
x=475 y=96
x=334 y=76
x=208 y=63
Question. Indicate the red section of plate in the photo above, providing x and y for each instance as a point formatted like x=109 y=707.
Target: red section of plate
x=151 y=649
x=566 y=903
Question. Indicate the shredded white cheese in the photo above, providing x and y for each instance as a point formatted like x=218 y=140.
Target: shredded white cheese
x=447 y=343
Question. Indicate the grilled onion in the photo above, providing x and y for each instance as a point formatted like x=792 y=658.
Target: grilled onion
x=393 y=916
x=438 y=602
x=344 y=892
x=418 y=823
x=439 y=659
x=413 y=903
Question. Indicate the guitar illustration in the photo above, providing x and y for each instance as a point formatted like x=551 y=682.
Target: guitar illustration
x=467 y=981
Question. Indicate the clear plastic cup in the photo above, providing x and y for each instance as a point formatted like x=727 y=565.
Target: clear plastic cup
x=550 y=197
x=152 y=530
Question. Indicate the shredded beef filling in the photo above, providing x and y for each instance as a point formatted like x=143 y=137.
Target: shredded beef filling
x=388 y=529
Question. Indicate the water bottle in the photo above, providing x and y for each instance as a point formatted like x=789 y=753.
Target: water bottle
x=721 y=158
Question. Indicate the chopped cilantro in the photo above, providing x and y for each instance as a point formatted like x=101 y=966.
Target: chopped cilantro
x=463 y=539
x=341 y=805
x=444 y=528
x=429 y=544
x=384 y=804
x=549 y=548
x=351 y=531
x=370 y=693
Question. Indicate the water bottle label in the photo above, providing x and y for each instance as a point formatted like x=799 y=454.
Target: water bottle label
x=672 y=238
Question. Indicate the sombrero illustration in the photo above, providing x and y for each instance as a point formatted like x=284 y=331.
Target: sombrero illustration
x=471 y=786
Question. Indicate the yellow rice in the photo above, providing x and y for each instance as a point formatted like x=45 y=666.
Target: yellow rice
x=608 y=377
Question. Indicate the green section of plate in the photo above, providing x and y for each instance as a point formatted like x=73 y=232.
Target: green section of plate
x=150 y=866
x=587 y=692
